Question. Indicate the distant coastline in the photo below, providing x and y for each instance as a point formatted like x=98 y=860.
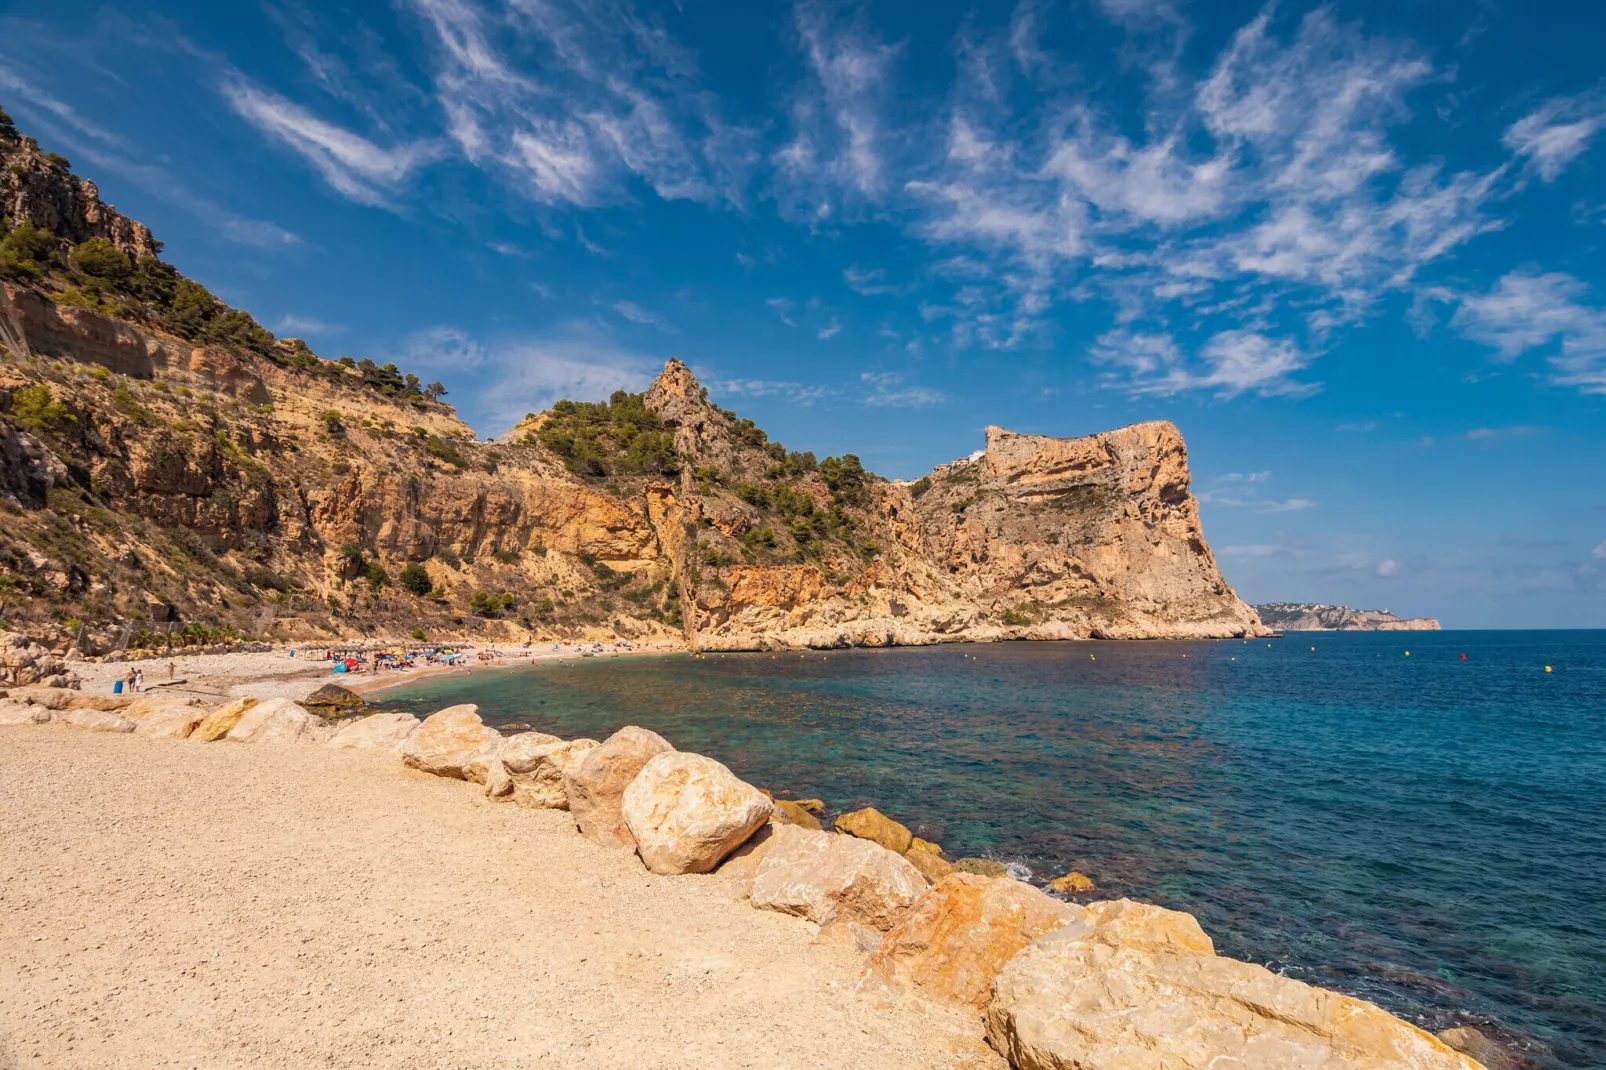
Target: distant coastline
x=1316 y=617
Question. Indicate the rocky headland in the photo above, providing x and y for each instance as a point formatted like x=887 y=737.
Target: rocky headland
x=173 y=474
x=1048 y=979
x=1315 y=617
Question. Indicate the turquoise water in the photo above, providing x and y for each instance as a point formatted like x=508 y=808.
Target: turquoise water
x=1419 y=830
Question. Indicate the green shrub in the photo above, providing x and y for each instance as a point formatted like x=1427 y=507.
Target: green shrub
x=920 y=486
x=376 y=575
x=35 y=407
x=415 y=579
x=418 y=634
x=27 y=252
x=445 y=450
x=100 y=259
x=619 y=437
x=449 y=556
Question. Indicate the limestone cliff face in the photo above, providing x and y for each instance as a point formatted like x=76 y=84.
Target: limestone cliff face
x=1315 y=617
x=164 y=461
x=196 y=483
x=1038 y=538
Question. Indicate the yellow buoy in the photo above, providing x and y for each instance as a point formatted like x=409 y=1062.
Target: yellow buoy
x=1407 y=653
x=1313 y=648
x=1547 y=668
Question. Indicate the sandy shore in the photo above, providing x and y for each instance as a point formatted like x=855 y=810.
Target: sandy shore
x=217 y=677
x=167 y=903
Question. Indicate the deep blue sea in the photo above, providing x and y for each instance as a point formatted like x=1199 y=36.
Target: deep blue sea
x=1368 y=811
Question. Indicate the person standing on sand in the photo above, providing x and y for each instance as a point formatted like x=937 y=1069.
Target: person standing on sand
x=139 y=679
x=130 y=681
x=170 y=670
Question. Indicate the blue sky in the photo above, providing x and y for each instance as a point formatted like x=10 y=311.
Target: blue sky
x=1354 y=251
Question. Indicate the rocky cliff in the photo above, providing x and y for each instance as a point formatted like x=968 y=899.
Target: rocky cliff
x=166 y=464
x=1314 y=617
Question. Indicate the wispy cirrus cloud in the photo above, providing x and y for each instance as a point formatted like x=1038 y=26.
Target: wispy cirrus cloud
x=1526 y=311
x=888 y=390
x=1557 y=132
x=636 y=314
x=352 y=165
x=524 y=373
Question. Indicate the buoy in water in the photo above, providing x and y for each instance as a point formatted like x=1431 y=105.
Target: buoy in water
x=1547 y=668
x=1463 y=657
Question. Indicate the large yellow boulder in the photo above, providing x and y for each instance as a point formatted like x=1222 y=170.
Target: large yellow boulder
x=449 y=741
x=217 y=724
x=1132 y=988
x=595 y=788
x=686 y=812
x=961 y=933
x=826 y=878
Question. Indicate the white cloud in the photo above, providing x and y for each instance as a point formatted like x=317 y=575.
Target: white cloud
x=1387 y=567
x=1557 y=132
x=830 y=330
x=351 y=164
x=1288 y=505
x=527 y=373
x=836 y=145
x=797 y=393
x=297 y=326
x=1599 y=551
x=636 y=314
x=783 y=308
x=887 y=389
x=1526 y=311
x=1231 y=363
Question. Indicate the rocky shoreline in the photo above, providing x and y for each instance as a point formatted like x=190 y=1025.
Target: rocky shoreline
x=1052 y=982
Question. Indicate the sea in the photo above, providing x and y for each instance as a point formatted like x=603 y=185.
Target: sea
x=1416 y=818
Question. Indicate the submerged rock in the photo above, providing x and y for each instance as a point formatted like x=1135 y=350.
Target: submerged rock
x=872 y=824
x=595 y=788
x=449 y=741
x=823 y=877
x=982 y=867
x=961 y=933
x=1072 y=883
x=686 y=812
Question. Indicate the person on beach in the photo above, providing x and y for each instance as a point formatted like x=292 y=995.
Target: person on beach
x=139 y=679
x=130 y=682
x=170 y=670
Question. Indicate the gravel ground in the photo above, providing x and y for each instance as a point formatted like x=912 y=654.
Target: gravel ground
x=173 y=904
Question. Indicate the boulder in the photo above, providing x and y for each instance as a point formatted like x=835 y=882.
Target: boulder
x=1081 y=997
x=95 y=720
x=595 y=788
x=917 y=844
x=377 y=731
x=931 y=866
x=140 y=708
x=274 y=720
x=823 y=877
x=961 y=933
x=794 y=814
x=217 y=724
x=872 y=824
x=1127 y=923
x=12 y=712
x=686 y=812
x=982 y=867
x=174 y=721
x=537 y=769
x=331 y=701
x=813 y=806
x=449 y=741
x=1470 y=1041
x=742 y=864
x=1073 y=883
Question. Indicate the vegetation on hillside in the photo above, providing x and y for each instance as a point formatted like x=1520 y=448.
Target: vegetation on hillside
x=98 y=276
x=619 y=437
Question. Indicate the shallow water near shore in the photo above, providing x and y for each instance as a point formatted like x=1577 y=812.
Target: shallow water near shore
x=1420 y=830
